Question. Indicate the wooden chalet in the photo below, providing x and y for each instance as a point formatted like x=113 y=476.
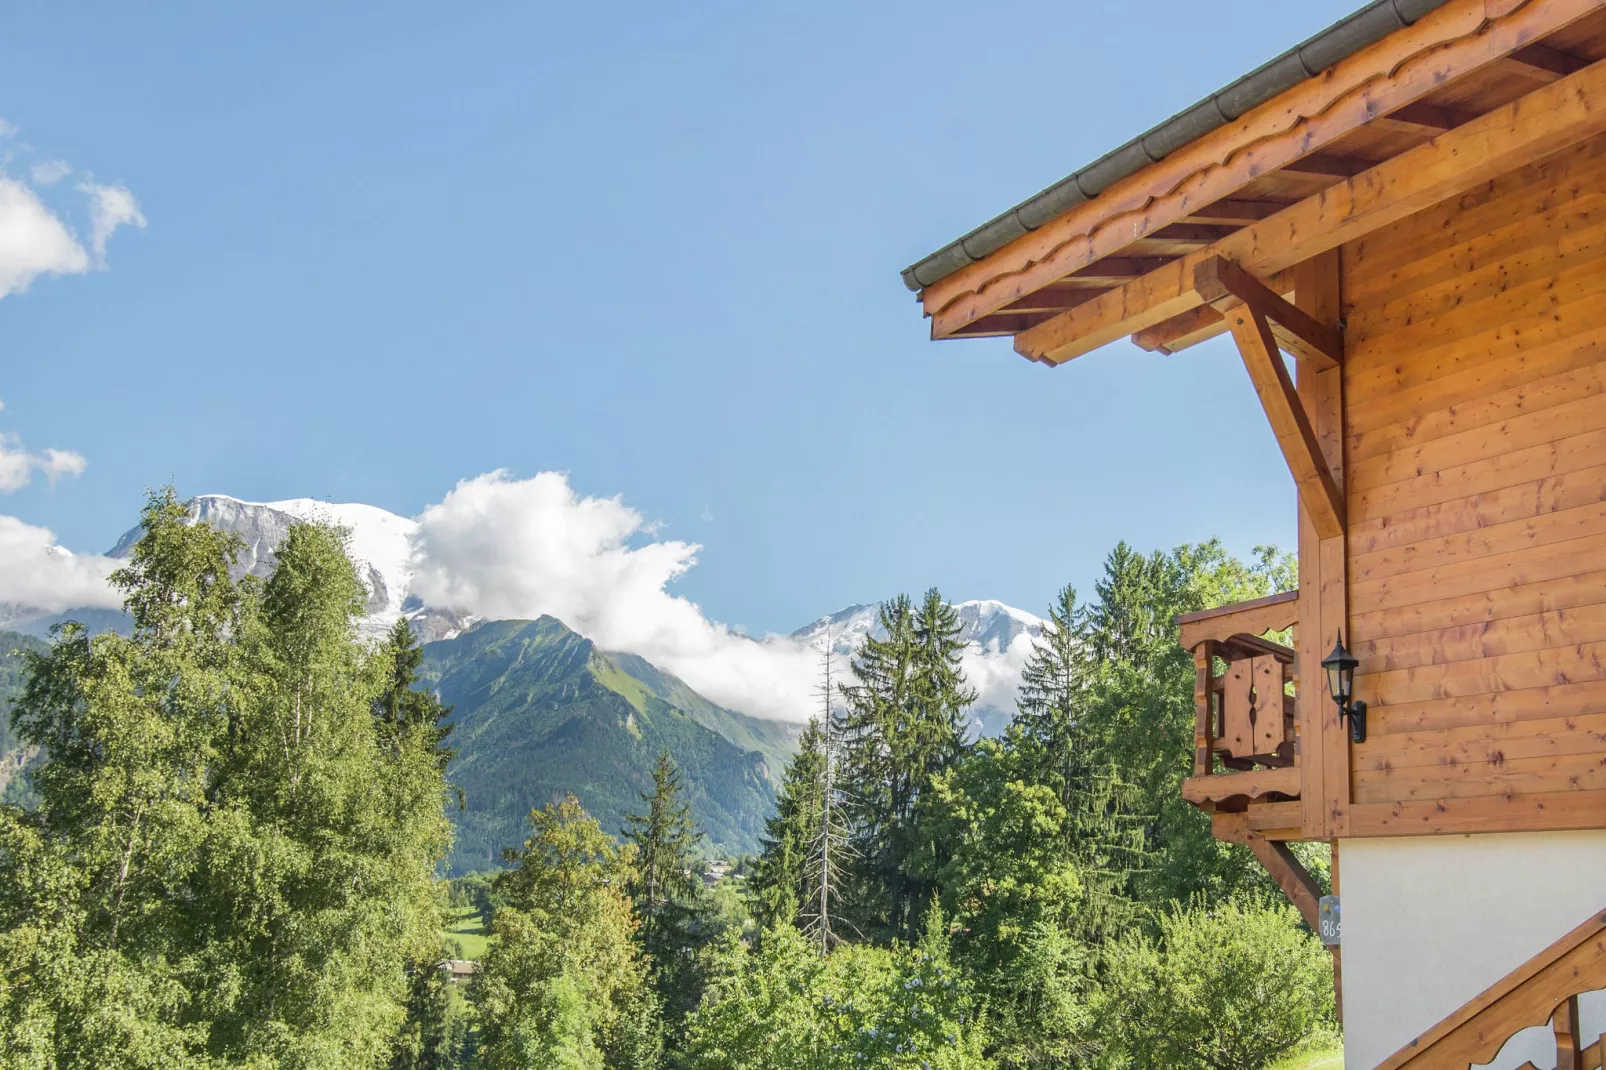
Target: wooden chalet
x=1401 y=225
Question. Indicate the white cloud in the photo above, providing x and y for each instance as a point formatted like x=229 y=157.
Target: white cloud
x=7 y=129
x=503 y=548
x=49 y=172
x=33 y=241
x=109 y=208
x=997 y=678
x=17 y=465
x=38 y=573
x=57 y=463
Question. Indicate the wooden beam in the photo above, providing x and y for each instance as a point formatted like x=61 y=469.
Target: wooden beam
x=1121 y=267
x=1325 y=760
x=1271 y=613
x=1053 y=300
x=1236 y=211
x=1178 y=332
x=1542 y=63
x=1455 y=40
x=1223 y=284
x=1328 y=166
x=1254 y=784
x=1198 y=324
x=1317 y=490
x=1180 y=233
x=1292 y=877
x=1547 y=120
x=1430 y=117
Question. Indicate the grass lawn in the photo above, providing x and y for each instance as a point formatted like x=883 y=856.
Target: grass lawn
x=1321 y=1059
x=466 y=929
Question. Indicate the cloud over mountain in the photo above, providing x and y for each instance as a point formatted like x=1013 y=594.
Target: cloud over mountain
x=502 y=547
x=35 y=571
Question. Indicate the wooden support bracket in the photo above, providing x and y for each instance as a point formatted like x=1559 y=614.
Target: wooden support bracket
x=1224 y=285
x=1317 y=489
x=1292 y=877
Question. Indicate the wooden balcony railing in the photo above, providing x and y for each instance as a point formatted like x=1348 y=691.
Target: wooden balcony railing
x=1545 y=989
x=1244 y=716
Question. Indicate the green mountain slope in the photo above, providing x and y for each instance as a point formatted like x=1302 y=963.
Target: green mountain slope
x=775 y=740
x=13 y=757
x=539 y=712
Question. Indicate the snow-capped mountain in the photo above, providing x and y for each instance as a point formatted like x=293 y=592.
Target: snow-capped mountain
x=381 y=544
x=998 y=642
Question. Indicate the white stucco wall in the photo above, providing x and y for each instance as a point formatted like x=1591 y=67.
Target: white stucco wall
x=1431 y=921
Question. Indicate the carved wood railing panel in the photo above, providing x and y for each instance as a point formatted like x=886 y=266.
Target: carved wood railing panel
x=1545 y=989
x=1244 y=717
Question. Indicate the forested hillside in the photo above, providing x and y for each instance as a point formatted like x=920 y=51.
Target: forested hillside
x=238 y=839
x=538 y=712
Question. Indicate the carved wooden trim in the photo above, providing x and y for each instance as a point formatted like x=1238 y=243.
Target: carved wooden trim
x=1528 y=996
x=1455 y=40
x=1547 y=120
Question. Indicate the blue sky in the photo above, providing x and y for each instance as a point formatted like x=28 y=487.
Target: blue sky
x=653 y=246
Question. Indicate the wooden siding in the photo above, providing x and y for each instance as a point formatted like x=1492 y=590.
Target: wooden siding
x=1475 y=488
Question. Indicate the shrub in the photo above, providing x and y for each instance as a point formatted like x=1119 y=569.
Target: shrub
x=1232 y=987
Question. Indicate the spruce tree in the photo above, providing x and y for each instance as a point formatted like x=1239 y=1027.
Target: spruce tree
x=1101 y=834
x=666 y=887
x=826 y=847
x=876 y=710
x=402 y=708
x=904 y=723
x=780 y=886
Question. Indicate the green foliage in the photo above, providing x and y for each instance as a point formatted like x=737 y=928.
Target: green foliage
x=403 y=707
x=666 y=888
x=539 y=712
x=439 y=1033
x=781 y=887
x=784 y=1006
x=225 y=866
x=563 y=984
x=1233 y=986
x=1014 y=897
x=16 y=757
x=904 y=724
x=1064 y=749
x=1138 y=708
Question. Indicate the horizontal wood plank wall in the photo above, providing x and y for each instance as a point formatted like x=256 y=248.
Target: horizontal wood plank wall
x=1475 y=389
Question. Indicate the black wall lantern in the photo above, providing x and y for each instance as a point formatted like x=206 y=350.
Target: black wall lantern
x=1340 y=666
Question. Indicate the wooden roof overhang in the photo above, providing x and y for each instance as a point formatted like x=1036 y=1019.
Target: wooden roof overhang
x=1470 y=91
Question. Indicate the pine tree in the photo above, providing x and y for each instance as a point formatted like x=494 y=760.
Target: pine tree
x=666 y=887
x=827 y=843
x=1101 y=834
x=780 y=885
x=877 y=704
x=903 y=725
x=403 y=708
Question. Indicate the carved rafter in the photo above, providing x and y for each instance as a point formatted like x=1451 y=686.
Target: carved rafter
x=1462 y=37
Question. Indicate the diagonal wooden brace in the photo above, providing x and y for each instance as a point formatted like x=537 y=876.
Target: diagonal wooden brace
x=1292 y=877
x=1318 y=490
x=1224 y=286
